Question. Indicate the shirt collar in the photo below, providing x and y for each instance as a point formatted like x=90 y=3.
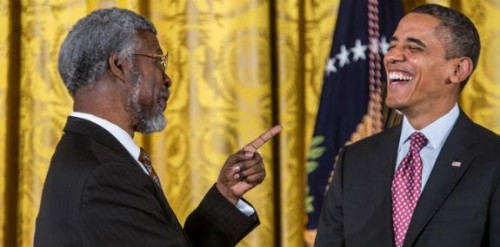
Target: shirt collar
x=121 y=135
x=436 y=132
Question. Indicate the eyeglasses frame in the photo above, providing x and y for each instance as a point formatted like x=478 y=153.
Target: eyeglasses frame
x=162 y=60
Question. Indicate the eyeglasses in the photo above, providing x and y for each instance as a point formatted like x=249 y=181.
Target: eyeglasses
x=161 y=60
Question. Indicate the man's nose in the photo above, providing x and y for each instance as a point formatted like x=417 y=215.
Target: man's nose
x=395 y=54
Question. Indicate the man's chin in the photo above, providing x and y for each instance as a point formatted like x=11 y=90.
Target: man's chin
x=154 y=124
x=394 y=106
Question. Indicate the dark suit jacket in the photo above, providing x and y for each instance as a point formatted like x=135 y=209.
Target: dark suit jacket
x=459 y=206
x=95 y=194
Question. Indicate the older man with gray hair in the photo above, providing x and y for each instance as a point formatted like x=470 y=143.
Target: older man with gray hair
x=434 y=180
x=101 y=189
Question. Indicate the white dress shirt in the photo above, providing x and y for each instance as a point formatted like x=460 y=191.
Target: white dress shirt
x=134 y=150
x=436 y=133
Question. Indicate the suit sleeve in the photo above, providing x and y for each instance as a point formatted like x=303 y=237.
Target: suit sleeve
x=331 y=221
x=217 y=222
x=119 y=209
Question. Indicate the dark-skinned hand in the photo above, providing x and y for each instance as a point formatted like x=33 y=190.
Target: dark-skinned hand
x=244 y=169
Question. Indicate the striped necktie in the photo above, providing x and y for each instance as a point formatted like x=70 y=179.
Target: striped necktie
x=146 y=161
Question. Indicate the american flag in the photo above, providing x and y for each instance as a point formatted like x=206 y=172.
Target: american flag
x=351 y=89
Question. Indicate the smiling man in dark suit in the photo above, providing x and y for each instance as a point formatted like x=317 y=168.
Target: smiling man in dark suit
x=101 y=189
x=433 y=181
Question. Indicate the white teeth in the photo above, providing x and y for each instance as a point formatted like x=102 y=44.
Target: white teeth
x=395 y=76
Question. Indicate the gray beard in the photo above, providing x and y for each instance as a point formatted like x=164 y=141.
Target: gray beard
x=145 y=124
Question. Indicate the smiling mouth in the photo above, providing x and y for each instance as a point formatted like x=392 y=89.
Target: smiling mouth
x=399 y=77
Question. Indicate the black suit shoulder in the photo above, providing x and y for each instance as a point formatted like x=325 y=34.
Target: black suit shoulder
x=485 y=135
x=384 y=137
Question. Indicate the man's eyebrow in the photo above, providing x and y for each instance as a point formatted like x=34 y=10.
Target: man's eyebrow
x=410 y=40
x=416 y=41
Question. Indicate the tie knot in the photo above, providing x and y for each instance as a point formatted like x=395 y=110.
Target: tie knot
x=417 y=141
x=144 y=157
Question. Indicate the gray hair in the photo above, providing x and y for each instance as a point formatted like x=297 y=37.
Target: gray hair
x=84 y=54
x=458 y=31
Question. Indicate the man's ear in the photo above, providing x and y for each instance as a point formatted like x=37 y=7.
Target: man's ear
x=116 y=66
x=462 y=69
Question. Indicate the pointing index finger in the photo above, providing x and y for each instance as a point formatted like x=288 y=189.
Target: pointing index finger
x=259 y=141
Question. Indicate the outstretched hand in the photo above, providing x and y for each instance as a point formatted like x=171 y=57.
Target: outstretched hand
x=244 y=169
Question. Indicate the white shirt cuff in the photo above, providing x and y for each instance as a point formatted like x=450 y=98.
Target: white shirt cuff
x=245 y=208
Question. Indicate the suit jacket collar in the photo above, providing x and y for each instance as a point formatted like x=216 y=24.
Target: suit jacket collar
x=99 y=134
x=444 y=176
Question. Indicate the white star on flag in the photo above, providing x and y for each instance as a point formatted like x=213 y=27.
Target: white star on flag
x=358 y=51
x=343 y=56
x=330 y=66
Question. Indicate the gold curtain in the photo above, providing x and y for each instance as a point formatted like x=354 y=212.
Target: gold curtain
x=237 y=67
x=5 y=191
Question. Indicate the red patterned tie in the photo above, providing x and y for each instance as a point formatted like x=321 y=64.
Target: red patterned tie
x=146 y=161
x=406 y=187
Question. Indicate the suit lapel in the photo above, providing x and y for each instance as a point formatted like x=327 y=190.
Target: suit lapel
x=160 y=196
x=385 y=156
x=389 y=154
x=444 y=176
x=169 y=212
